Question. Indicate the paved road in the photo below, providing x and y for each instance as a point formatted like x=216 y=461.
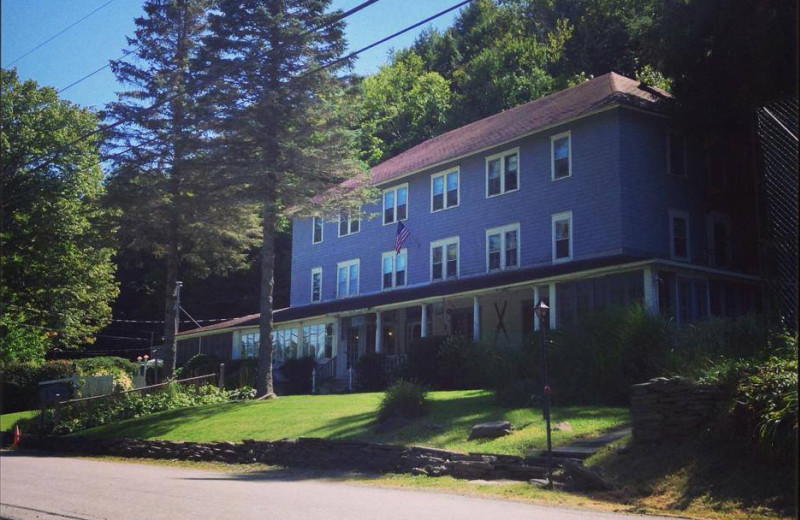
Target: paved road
x=50 y=488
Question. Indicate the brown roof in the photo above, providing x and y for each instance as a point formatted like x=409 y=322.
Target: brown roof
x=494 y=130
x=250 y=319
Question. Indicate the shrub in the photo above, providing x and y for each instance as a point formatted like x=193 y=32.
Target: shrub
x=461 y=364
x=198 y=365
x=297 y=373
x=422 y=354
x=121 y=369
x=371 y=372
x=20 y=382
x=403 y=399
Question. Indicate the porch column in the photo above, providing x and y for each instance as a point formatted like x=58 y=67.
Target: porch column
x=552 y=303
x=476 y=320
x=424 y=322
x=650 y=291
x=536 y=299
x=378 y=332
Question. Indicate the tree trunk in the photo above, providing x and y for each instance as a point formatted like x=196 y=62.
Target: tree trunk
x=264 y=385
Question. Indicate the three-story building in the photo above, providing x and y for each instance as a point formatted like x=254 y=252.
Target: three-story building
x=588 y=198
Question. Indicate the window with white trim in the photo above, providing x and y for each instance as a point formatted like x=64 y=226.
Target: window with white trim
x=502 y=173
x=444 y=190
x=679 y=234
x=444 y=259
x=284 y=344
x=318 y=226
x=316 y=284
x=676 y=154
x=502 y=247
x=395 y=204
x=561 y=156
x=562 y=236
x=347 y=225
x=347 y=278
x=394 y=269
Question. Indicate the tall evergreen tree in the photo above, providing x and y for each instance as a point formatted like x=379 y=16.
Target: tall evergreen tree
x=56 y=274
x=177 y=202
x=280 y=125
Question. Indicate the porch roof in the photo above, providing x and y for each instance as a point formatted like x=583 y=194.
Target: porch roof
x=449 y=287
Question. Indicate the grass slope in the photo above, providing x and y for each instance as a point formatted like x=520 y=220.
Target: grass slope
x=447 y=424
x=8 y=420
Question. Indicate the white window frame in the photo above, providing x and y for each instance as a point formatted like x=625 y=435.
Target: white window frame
x=679 y=213
x=557 y=217
x=383 y=202
x=502 y=155
x=443 y=175
x=314 y=227
x=685 y=158
x=444 y=242
x=313 y=272
x=347 y=264
x=553 y=139
x=502 y=230
x=349 y=225
x=393 y=255
x=713 y=219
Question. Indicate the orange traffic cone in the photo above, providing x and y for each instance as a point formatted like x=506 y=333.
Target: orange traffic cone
x=17 y=435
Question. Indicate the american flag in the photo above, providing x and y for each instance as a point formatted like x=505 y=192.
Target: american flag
x=402 y=235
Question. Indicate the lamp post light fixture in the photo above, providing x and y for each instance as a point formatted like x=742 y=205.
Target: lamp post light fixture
x=543 y=312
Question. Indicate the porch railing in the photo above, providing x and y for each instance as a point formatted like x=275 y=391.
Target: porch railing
x=327 y=369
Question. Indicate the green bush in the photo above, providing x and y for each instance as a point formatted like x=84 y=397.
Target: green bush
x=403 y=399
x=297 y=373
x=121 y=369
x=461 y=364
x=20 y=382
x=371 y=373
x=422 y=364
x=88 y=414
x=198 y=365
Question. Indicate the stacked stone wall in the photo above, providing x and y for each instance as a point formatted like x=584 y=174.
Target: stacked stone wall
x=671 y=409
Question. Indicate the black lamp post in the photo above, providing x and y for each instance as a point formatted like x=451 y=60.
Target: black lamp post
x=543 y=312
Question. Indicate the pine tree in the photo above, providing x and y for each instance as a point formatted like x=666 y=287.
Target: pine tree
x=177 y=202
x=281 y=126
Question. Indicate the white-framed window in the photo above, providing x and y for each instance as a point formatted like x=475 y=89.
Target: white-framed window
x=394 y=269
x=679 y=234
x=395 y=204
x=502 y=173
x=502 y=247
x=676 y=153
x=316 y=285
x=561 y=156
x=562 y=236
x=445 y=190
x=317 y=229
x=347 y=225
x=347 y=278
x=248 y=345
x=719 y=240
x=444 y=259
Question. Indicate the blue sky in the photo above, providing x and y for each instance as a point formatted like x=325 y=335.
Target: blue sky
x=101 y=37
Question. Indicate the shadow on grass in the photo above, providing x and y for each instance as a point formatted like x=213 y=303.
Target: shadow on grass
x=158 y=424
x=677 y=475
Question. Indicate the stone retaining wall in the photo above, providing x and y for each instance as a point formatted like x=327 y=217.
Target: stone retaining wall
x=669 y=409
x=306 y=452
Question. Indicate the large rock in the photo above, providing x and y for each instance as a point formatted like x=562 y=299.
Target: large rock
x=490 y=430
x=582 y=478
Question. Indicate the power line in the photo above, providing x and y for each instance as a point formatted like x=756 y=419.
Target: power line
x=386 y=39
x=84 y=78
x=59 y=33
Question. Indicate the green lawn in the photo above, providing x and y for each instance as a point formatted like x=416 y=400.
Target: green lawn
x=447 y=425
x=8 y=420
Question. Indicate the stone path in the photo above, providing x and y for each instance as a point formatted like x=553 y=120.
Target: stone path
x=584 y=448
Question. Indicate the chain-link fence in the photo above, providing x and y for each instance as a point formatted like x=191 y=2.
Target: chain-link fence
x=778 y=143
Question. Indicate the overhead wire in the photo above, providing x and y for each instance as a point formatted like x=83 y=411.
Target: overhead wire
x=59 y=33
